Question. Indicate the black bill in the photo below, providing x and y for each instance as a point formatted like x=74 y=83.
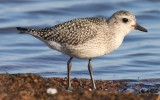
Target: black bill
x=138 y=27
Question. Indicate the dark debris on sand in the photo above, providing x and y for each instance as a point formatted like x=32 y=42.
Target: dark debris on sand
x=34 y=87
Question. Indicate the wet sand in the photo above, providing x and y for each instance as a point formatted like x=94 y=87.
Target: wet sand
x=34 y=87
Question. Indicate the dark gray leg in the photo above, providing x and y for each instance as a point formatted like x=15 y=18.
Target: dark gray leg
x=69 y=65
x=91 y=74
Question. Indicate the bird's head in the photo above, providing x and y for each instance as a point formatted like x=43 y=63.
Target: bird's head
x=124 y=21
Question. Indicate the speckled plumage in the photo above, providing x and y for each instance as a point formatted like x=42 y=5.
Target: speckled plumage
x=73 y=32
x=87 y=38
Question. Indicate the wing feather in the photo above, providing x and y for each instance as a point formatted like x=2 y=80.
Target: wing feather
x=73 y=32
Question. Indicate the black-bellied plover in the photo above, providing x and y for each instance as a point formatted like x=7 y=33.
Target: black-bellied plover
x=87 y=38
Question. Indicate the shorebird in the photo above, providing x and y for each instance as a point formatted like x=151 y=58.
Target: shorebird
x=87 y=38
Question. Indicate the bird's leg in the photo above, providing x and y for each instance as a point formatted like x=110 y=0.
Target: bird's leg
x=69 y=65
x=91 y=74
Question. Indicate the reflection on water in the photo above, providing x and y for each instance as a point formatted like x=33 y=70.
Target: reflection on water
x=139 y=55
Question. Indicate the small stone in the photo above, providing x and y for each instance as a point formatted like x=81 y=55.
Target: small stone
x=52 y=91
x=90 y=89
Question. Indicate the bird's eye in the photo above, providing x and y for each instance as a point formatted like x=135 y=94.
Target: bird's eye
x=125 y=20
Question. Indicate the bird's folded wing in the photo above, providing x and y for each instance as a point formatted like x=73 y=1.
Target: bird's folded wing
x=73 y=32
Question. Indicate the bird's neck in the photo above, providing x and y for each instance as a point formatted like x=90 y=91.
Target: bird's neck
x=117 y=37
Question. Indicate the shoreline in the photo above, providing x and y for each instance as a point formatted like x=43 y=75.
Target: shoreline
x=34 y=87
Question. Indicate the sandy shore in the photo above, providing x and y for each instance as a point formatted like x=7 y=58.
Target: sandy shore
x=34 y=87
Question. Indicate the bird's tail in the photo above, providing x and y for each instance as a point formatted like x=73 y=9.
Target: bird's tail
x=22 y=30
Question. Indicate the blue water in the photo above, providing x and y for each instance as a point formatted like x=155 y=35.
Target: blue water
x=137 y=58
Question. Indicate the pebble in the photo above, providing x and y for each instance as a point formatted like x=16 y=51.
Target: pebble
x=52 y=91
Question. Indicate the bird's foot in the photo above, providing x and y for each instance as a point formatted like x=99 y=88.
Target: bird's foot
x=69 y=88
x=93 y=88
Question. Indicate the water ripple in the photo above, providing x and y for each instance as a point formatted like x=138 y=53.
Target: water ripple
x=138 y=56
